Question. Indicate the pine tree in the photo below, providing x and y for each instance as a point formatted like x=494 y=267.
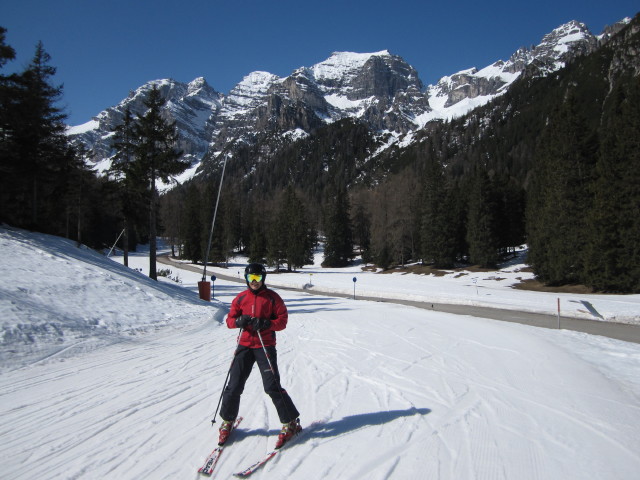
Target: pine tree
x=6 y=51
x=380 y=226
x=230 y=225
x=438 y=222
x=613 y=254
x=128 y=175
x=173 y=218
x=193 y=225
x=217 y=250
x=362 y=232
x=511 y=223
x=79 y=182
x=481 y=224
x=257 y=240
x=383 y=258
x=559 y=198
x=276 y=231
x=403 y=220
x=37 y=157
x=9 y=160
x=46 y=152
x=337 y=230
x=158 y=159
x=7 y=97
x=298 y=247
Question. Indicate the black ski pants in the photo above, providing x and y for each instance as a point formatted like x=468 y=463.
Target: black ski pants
x=241 y=367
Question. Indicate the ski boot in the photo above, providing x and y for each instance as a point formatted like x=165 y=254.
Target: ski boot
x=288 y=430
x=225 y=430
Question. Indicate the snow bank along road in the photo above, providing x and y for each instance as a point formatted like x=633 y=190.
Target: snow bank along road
x=620 y=331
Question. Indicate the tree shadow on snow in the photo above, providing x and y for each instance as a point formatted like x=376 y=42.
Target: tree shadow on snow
x=345 y=425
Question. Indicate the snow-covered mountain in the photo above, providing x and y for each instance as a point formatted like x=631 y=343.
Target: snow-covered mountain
x=374 y=87
x=459 y=93
x=379 y=89
x=191 y=105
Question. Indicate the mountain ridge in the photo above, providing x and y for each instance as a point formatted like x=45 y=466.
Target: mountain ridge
x=380 y=89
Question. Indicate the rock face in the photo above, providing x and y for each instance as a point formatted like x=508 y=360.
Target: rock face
x=380 y=89
x=191 y=105
x=345 y=85
x=555 y=50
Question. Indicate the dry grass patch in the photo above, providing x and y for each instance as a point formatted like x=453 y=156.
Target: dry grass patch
x=538 y=286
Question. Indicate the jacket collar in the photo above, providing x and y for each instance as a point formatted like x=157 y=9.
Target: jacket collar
x=257 y=292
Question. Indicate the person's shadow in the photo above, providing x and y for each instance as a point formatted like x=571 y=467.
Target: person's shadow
x=334 y=428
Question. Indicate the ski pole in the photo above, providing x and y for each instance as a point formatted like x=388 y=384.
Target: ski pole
x=226 y=380
x=275 y=377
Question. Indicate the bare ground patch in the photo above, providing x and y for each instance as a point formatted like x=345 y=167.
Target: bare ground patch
x=537 y=286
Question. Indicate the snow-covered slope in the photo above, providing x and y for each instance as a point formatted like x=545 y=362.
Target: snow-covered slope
x=342 y=67
x=57 y=299
x=403 y=393
x=248 y=94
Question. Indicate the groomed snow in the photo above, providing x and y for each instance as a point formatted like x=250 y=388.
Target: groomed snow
x=107 y=374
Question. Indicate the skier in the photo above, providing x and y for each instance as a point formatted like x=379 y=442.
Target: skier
x=260 y=313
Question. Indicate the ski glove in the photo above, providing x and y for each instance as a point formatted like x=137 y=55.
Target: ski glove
x=260 y=323
x=243 y=321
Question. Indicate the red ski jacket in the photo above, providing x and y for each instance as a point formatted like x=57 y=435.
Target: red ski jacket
x=264 y=303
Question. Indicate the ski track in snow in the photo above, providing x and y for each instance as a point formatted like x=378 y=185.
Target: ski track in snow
x=401 y=393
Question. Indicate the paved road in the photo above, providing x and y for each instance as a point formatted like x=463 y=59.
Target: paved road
x=620 y=331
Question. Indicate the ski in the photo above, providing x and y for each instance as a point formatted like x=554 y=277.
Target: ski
x=212 y=460
x=249 y=470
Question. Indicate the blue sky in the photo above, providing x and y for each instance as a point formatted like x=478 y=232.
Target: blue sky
x=103 y=49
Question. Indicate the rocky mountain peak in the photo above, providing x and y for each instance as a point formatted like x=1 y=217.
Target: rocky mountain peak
x=562 y=45
x=556 y=49
x=379 y=89
x=611 y=30
x=362 y=75
x=197 y=86
x=341 y=67
x=190 y=105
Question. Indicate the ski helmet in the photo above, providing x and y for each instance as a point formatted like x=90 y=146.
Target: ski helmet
x=256 y=269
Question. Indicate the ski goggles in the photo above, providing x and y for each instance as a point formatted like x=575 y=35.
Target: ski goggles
x=254 y=277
